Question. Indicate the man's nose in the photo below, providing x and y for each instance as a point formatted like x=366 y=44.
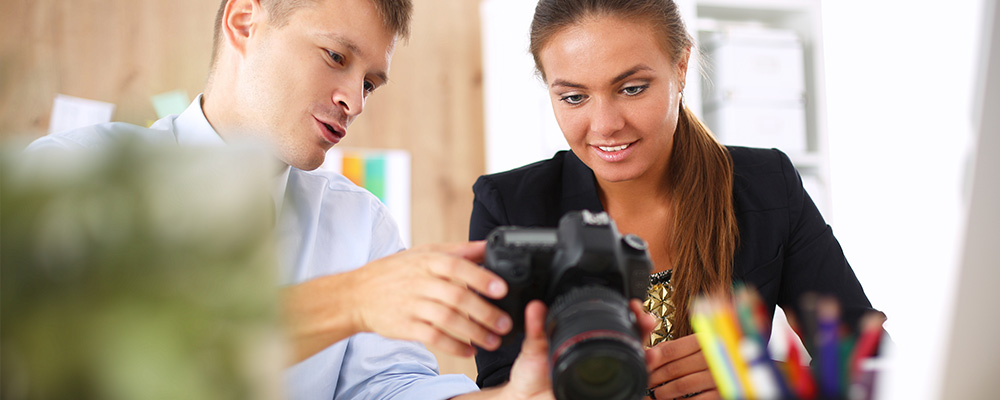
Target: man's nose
x=351 y=99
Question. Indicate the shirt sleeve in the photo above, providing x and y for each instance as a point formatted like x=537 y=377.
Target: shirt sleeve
x=375 y=367
x=385 y=240
x=380 y=368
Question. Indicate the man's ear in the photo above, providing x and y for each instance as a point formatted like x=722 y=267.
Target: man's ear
x=239 y=22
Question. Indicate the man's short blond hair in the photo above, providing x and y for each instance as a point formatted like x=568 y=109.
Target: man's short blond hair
x=395 y=16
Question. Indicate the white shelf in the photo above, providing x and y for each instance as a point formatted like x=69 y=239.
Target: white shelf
x=771 y=5
x=803 y=17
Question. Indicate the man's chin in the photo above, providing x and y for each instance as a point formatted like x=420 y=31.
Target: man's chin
x=308 y=163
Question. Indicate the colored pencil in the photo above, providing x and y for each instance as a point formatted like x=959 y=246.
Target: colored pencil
x=711 y=347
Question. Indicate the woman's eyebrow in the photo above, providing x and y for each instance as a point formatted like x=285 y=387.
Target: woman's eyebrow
x=622 y=76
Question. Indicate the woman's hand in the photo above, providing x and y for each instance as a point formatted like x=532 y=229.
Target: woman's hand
x=678 y=368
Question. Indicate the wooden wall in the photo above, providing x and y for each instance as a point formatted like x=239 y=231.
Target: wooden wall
x=124 y=51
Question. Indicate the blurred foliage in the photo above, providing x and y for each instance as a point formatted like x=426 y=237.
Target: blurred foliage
x=137 y=272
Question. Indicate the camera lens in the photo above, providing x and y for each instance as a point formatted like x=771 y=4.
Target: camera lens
x=594 y=346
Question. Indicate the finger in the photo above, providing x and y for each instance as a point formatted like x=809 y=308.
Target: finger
x=468 y=303
x=671 y=350
x=694 y=383
x=647 y=322
x=534 y=328
x=529 y=376
x=433 y=337
x=472 y=251
x=465 y=272
x=710 y=394
x=685 y=366
x=457 y=325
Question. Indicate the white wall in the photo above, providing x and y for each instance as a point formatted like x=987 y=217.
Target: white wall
x=900 y=78
x=520 y=125
x=972 y=356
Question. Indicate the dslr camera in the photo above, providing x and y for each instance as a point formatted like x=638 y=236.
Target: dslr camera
x=585 y=271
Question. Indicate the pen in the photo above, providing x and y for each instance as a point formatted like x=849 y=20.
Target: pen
x=828 y=344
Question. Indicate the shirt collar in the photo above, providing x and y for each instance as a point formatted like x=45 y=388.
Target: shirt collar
x=192 y=127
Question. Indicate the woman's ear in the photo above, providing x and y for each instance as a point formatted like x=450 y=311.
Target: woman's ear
x=682 y=66
x=239 y=22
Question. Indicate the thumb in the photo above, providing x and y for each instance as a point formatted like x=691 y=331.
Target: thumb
x=647 y=322
x=534 y=329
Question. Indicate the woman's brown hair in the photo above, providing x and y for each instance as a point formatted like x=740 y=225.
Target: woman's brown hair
x=705 y=232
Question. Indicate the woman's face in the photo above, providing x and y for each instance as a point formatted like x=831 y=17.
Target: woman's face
x=616 y=94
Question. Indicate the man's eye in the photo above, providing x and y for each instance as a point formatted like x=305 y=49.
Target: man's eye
x=572 y=99
x=336 y=57
x=369 y=87
x=634 y=90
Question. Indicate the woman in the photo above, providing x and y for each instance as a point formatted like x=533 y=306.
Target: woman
x=712 y=215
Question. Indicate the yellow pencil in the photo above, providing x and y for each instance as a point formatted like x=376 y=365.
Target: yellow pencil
x=725 y=325
x=712 y=347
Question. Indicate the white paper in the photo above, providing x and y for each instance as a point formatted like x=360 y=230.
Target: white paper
x=70 y=112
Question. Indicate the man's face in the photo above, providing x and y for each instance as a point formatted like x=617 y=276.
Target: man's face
x=302 y=84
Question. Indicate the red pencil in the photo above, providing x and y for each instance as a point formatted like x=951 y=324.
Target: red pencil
x=799 y=377
x=868 y=338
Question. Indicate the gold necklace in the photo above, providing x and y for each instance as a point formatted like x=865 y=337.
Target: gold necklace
x=658 y=304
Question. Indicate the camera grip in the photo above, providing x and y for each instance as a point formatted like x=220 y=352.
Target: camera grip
x=522 y=287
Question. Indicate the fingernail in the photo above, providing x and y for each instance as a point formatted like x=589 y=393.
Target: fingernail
x=504 y=323
x=492 y=340
x=496 y=288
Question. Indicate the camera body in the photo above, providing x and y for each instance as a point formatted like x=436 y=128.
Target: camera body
x=586 y=272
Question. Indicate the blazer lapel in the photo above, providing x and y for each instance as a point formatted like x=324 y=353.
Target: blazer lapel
x=579 y=188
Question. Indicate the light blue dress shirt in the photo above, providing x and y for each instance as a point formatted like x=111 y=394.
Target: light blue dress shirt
x=327 y=225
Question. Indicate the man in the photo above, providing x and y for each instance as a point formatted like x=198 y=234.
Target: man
x=294 y=74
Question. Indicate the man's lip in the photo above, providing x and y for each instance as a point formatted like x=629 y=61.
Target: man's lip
x=334 y=136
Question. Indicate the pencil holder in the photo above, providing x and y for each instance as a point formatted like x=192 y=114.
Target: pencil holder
x=733 y=334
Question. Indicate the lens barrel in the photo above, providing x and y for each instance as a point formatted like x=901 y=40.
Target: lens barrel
x=595 y=348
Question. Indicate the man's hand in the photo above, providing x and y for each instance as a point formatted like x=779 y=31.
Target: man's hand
x=427 y=294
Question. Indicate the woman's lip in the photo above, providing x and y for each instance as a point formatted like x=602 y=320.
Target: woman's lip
x=613 y=156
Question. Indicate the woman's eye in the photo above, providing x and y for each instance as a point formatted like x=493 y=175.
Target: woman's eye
x=634 y=90
x=572 y=99
x=336 y=57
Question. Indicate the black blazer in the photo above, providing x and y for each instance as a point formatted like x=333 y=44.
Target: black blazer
x=785 y=247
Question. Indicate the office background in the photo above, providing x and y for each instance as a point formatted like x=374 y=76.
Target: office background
x=901 y=79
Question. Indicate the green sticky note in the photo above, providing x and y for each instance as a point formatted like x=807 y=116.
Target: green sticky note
x=173 y=102
x=375 y=175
